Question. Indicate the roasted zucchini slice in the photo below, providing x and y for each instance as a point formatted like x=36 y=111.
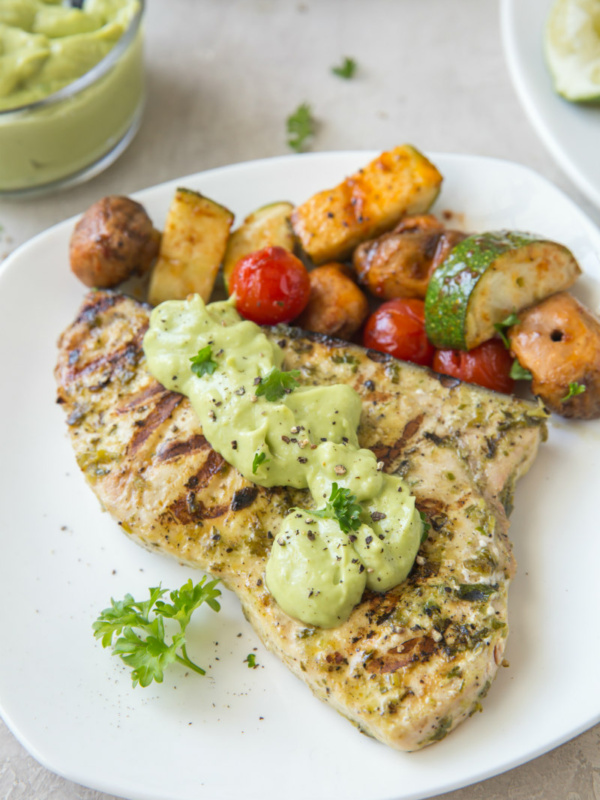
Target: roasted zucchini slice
x=488 y=276
x=332 y=223
x=268 y=226
x=192 y=248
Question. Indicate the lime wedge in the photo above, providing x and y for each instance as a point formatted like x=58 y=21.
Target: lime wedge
x=572 y=48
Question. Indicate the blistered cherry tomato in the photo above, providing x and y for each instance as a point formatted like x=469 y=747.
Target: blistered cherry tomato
x=398 y=328
x=270 y=285
x=487 y=365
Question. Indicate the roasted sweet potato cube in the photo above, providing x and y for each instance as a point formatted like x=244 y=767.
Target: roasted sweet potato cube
x=332 y=223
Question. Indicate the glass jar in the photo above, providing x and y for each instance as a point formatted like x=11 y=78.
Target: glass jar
x=77 y=132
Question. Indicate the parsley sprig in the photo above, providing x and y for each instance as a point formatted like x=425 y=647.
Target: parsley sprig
x=342 y=505
x=346 y=69
x=300 y=127
x=140 y=629
x=501 y=327
x=276 y=384
x=203 y=363
x=575 y=388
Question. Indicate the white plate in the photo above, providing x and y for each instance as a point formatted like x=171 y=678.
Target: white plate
x=570 y=131
x=259 y=734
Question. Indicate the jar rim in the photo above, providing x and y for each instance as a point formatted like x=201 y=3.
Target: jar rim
x=90 y=77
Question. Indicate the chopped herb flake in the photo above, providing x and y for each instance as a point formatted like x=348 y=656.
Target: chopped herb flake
x=276 y=384
x=346 y=69
x=476 y=592
x=519 y=373
x=300 y=127
x=574 y=389
x=259 y=458
x=202 y=362
x=501 y=327
x=426 y=526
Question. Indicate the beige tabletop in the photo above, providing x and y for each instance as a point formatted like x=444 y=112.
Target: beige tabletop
x=222 y=77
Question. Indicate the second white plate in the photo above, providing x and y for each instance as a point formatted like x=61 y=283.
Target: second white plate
x=570 y=131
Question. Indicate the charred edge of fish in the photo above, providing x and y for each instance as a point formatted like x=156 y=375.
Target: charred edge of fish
x=447 y=381
x=325 y=339
x=94 y=304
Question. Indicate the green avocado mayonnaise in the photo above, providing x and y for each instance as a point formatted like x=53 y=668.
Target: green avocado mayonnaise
x=45 y=46
x=304 y=437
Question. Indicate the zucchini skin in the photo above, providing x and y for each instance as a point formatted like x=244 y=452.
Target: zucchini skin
x=451 y=292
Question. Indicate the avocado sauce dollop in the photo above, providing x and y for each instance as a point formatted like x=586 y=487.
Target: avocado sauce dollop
x=306 y=439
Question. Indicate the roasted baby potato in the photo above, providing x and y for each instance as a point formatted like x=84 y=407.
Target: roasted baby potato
x=398 y=264
x=558 y=341
x=336 y=305
x=112 y=241
x=332 y=223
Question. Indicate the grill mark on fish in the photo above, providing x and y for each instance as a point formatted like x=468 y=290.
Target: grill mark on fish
x=189 y=510
x=418 y=649
x=141 y=397
x=213 y=463
x=129 y=353
x=390 y=453
x=175 y=449
x=159 y=414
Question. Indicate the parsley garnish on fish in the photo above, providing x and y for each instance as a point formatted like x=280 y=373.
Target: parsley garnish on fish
x=519 y=373
x=300 y=127
x=276 y=384
x=140 y=630
x=202 y=362
x=342 y=506
x=501 y=327
x=575 y=388
x=346 y=69
x=259 y=458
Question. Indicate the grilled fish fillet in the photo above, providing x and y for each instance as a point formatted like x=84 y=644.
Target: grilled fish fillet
x=408 y=665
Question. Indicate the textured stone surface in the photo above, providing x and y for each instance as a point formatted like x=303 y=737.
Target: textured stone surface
x=223 y=75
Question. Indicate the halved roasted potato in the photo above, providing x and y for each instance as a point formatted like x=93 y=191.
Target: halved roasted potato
x=399 y=263
x=192 y=248
x=558 y=341
x=336 y=306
